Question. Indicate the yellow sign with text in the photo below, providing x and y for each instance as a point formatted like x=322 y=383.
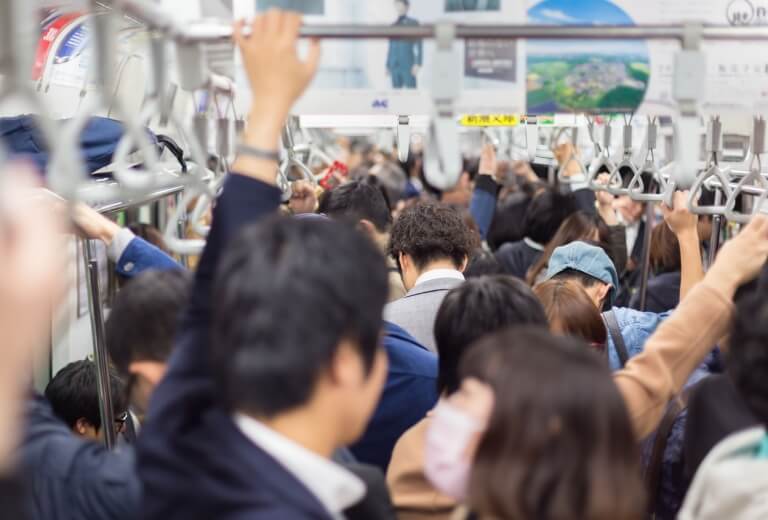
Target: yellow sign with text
x=484 y=120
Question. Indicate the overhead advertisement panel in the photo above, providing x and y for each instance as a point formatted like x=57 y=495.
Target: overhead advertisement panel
x=536 y=76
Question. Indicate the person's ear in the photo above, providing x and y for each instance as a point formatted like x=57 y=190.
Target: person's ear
x=403 y=261
x=347 y=368
x=464 y=264
x=85 y=429
x=603 y=292
x=152 y=371
x=367 y=227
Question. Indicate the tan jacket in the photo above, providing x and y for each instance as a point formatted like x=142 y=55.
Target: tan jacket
x=647 y=383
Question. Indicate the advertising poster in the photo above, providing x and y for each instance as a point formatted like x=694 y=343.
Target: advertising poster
x=627 y=76
x=395 y=76
x=364 y=77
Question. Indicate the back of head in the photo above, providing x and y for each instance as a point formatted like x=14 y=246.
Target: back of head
x=586 y=264
x=287 y=293
x=559 y=443
x=507 y=223
x=73 y=394
x=482 y=263
x=391 y=178
x=546 y=214
x=430 y=231
x=665 y=250
x=571 y=312
x=144 y=317
x=358 y=200
x=747 y=361
x=478 y=307
x=579 y=226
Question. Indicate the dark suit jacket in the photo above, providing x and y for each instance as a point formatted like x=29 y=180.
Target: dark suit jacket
x=193 y=461
x=410 y=392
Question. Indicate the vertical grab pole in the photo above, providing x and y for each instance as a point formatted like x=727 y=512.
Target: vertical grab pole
x=717 y=225
x=99 y=345
x=646 y=265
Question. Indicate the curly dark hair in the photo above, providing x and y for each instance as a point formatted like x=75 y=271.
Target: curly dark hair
x=747 y=360
x=430 y=231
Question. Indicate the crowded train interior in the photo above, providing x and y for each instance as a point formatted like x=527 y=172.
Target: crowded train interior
x=383 y=259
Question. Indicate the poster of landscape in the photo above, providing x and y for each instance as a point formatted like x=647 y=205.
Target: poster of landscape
x=599 y=76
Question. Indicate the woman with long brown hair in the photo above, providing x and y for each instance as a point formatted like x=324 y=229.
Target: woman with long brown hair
x=549 y=430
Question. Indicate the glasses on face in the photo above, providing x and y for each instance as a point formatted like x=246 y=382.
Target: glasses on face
x=120 y=421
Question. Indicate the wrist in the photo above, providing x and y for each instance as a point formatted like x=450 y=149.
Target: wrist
x=108 y=232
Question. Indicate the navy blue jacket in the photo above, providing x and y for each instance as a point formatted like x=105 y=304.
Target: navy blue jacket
x=410 y=392
x=68 y=477
x=193 y=461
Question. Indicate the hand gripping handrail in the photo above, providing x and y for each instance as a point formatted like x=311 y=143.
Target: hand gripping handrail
x=562 y=176
x=602 y=159
x=615 y=184
x=442 y=153
x=712 y=170
x=292 y=160
x=753 y=178
x=637 y=190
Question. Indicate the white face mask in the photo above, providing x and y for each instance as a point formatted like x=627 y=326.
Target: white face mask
x=449 y=437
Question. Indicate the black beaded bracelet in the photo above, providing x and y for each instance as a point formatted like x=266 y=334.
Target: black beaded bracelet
x=269 y=155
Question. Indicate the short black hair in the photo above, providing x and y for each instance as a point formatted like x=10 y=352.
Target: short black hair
x=482 y=263
x=358 y=200
x=73 y=393
x=144 y=317
x=478 y=307
x=430 y=231
x=546 y=214
x=286 y=293
x=507 y=223
x=582 y=278
x=747 y=360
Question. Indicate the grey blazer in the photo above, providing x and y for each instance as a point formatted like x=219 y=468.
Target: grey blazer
x=417 y=310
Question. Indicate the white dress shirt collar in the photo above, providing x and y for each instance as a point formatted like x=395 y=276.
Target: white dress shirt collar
x=533 y=244
x=436 y=274
x=334 y=487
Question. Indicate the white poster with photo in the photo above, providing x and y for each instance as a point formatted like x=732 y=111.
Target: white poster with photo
x=395 y=77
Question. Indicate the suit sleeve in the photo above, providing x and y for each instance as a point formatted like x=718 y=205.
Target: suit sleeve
x=243 y=201
x=483 y=204
x=140 y=256
x=419 y=49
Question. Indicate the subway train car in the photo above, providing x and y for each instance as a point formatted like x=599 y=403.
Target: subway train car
x=379 y=260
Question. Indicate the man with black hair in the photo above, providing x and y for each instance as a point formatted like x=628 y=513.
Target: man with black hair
x=74 y=398
x=363 y=203
x=543 y=218
x=278 y=362
x=431 y=244
x=141 y=328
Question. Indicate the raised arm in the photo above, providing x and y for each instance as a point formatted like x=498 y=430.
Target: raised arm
x=249 y=193
x=682 y=342
x=484 y=197
x=132 y=255
x=684 y=224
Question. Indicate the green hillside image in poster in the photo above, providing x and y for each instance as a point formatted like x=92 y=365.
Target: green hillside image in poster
x=599 y=76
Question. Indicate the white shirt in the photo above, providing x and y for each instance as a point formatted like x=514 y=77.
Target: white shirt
x=436 y=274
x=333 y=486
x=533 y=244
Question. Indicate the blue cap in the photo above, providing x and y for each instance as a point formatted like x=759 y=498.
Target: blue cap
x=588 y=259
